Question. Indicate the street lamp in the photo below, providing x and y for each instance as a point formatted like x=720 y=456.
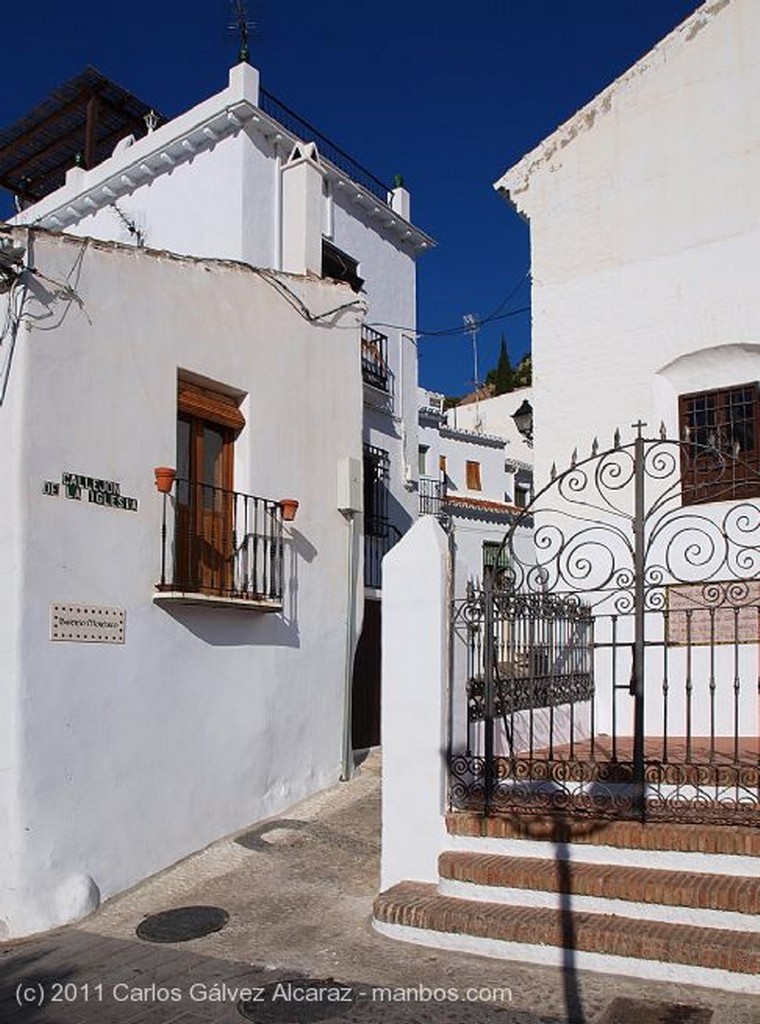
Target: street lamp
x=524 y=421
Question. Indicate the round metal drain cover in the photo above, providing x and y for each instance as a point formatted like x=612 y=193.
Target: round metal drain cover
x=182 y=924
x=298 y=1001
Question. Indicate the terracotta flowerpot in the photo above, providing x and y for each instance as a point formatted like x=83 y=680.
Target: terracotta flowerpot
x=289 y=508
x=164 y=478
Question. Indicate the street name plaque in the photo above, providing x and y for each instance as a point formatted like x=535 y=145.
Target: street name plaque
x=87 y=623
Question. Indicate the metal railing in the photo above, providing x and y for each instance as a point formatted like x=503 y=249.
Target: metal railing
x=308 y=133
x=432 y=496
x=375 y=358
x=379 y=537
x=612 y=665
x=221 y=543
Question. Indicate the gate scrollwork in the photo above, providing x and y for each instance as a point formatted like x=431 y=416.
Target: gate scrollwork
x=610 y=663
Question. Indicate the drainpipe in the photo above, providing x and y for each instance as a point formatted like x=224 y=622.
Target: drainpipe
x=347 y=759
x=350 y=500
x=277 y=207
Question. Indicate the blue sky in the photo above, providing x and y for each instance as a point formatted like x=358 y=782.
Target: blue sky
x=447 y=94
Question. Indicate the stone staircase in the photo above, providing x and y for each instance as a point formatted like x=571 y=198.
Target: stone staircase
x=669 y=902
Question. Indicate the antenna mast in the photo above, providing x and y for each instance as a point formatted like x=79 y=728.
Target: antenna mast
x=471 y=326
x=242 y=25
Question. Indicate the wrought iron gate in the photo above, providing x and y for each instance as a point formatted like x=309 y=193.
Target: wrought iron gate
x=614 y=671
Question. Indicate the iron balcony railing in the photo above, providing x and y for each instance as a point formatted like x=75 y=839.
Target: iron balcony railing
x=375 y=358
x=379 y=537
x=432 y=496
x=221 y=543
x=327 y=149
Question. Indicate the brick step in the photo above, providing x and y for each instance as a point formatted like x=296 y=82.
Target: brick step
x=419 y=906
x=736 y=840
x=717 y=892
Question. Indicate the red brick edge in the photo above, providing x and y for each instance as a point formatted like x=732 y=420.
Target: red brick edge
x=608 y=881
x=418 y=905
x=740 y=840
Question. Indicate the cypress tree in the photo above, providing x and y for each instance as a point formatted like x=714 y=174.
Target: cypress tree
x=504 y=375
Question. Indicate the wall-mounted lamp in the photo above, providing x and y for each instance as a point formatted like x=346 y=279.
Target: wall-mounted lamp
x=289 y=508
x=164 y=478
x=524 y=420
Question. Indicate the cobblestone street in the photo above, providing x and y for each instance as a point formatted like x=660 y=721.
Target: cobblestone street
x=298 y=946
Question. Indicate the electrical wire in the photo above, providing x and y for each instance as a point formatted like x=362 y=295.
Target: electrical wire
x=479 y=321
x=297 y=302
x=449 y=332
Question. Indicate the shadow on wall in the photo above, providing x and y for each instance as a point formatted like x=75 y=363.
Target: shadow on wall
x=240 y=627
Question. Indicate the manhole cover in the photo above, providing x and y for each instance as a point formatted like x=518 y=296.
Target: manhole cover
x=298 y=1001
x=636 y=1011
x=182 y=924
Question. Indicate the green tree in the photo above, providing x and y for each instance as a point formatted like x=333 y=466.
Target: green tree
x=502 y=378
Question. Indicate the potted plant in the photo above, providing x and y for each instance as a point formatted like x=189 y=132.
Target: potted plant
x=164 y=478
x=289 y=508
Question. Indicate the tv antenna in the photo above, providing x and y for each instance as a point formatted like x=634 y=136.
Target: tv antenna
x=242 y=24
x=471 y=327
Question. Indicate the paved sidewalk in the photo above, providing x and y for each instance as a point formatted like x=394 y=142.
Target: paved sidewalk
x=299 y=891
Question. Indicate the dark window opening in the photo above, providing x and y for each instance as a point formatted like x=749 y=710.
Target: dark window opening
x=495 y=555
x=340 y=266
x=376 y=472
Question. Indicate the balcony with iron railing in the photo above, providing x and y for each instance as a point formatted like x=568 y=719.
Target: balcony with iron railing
x=220 y=547
x=375 y=370
x=432 y=496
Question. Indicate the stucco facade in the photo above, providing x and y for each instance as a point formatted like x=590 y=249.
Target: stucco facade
x=645 y=228
x=227 y=179
x=120 y=758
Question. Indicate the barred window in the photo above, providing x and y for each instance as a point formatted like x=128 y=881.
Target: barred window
x=721 y=461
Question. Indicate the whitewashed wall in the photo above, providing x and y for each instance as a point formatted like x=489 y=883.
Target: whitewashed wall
x=123 y=758
x=645 y=229
x=209 y=183
x=494 y=416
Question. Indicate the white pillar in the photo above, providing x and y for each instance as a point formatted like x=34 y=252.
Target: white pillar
x=414 y=701
x=401 y=202
x=244 y=80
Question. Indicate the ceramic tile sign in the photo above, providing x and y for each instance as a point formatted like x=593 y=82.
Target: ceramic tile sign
x=99 y=492
x=86 y=623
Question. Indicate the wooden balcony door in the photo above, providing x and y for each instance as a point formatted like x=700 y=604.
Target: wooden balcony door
x=205 y=505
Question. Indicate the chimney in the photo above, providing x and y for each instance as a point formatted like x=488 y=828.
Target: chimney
x=302 y=208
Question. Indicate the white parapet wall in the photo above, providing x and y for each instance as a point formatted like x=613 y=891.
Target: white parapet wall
x=414 y=702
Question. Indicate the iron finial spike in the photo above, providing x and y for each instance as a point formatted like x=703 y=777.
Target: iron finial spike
x=553 y=472
x=594 y=446
x=663 y=431
x=574 y=458
x=616 y=440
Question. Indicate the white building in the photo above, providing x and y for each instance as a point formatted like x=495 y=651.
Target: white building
x=469 y=478
x=644 y=256
x=175 y=667
x=201 y=300
x=241 y=177
x=608 y=771
x=496 y=416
